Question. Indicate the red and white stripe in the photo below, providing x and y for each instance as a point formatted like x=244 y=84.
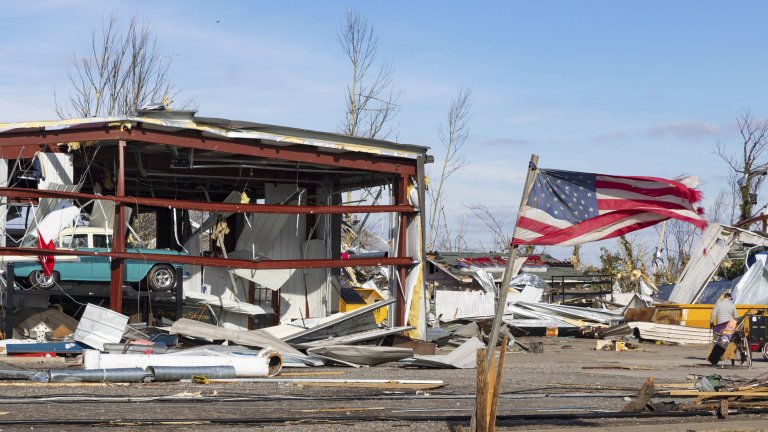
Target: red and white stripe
x=625 y=204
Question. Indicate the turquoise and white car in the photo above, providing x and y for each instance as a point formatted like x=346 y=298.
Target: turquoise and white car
x=156 y=275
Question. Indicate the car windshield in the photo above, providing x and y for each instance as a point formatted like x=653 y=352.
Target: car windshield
x=30 y=242
x=72 y=241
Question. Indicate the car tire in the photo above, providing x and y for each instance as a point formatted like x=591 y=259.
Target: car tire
x=38 y=280
x=161 y=278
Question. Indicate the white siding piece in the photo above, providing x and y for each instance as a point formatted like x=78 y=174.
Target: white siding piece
x=260 y=231
x=56 y=168
x=228 y=305
x=752 y=288
x=288 y=245
x=315 y=279
x=220 y=286
x=450 y=305
x=705 y=260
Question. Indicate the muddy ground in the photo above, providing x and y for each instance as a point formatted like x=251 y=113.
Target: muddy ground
x=569 y=386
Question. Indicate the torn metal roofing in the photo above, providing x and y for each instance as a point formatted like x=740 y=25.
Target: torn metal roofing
x=228 y=129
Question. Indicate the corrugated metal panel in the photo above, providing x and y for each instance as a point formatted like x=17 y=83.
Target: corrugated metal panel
x=315 y=279
x=233 y=130
x=287 y=245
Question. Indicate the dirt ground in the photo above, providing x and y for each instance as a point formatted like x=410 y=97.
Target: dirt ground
x=569 y=386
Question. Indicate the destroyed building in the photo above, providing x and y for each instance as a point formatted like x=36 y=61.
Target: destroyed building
x=271 y=201
x=456 y=271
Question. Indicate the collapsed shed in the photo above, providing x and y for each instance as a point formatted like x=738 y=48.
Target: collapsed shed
x=272 y=198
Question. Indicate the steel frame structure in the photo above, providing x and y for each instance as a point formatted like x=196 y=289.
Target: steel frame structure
x=25 y=143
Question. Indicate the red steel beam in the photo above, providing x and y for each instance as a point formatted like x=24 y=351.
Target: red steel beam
x=266 y=264
x=402 y=198
x=117 y=264
x=239 y=147
x=25 y=193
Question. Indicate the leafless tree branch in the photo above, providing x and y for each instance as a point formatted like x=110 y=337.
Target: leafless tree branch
x=370 y=101
x=123 y=71
x=453 y=138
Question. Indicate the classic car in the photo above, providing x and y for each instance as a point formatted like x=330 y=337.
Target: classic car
x=156 y=275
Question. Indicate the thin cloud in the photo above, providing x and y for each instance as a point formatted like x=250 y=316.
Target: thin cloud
x=611 y=137
x=690 y=130
x=520 y=120
x=505 y=142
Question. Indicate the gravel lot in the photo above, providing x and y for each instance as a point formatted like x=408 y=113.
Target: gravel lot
x=569 y=378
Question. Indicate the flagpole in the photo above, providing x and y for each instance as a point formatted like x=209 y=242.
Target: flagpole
x=501 y=304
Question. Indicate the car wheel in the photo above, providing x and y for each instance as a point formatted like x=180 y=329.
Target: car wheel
x=161 y=277
x=37 y=279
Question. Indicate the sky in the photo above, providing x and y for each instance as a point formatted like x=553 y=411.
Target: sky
x=628 y=88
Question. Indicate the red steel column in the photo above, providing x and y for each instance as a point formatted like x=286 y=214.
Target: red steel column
x=402 y=250
x=117 y=265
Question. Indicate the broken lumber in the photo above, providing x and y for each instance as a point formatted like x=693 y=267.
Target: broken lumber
x=643 y=396
x=382 y=384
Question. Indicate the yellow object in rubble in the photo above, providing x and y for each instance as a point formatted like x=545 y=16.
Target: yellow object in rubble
x=698 y=315
x=369 y=295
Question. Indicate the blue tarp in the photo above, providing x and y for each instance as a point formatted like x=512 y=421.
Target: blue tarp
x=711 y=292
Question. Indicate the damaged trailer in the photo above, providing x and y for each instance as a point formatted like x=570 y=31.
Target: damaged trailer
x=720 y=243
x=269 y=201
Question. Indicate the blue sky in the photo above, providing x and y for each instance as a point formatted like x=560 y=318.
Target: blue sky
x=635 y=88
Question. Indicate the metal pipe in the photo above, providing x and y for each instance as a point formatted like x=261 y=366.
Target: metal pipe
x=16 y=374
x=178 y=373
x=130 y=375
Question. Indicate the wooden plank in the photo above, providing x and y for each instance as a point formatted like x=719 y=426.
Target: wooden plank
x=40 y=384
x=643 y=396
x=497 y=386
x=709 y=395
x=381 y=384
x=481 y=419
x=620 y=367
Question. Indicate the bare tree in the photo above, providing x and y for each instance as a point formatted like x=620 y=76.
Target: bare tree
x=678 y=243
x=500 y=237
x=749 y=162
x=371 y=102
x=122 y=72
x=453 y=137
x=719 y=211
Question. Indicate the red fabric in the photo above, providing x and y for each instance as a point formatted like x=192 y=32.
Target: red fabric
x=46 y=261
x=568 y=208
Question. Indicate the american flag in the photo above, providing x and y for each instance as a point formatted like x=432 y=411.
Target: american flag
x=569 y=208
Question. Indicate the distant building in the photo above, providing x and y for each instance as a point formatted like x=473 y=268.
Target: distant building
x=454 y=271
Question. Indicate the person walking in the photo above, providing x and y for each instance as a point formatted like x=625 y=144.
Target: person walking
x=723 y=312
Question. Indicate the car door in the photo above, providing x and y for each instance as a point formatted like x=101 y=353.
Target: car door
x=100 y=264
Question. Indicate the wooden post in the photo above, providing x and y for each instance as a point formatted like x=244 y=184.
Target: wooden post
x=481 y=420
x=494 y=401
x=501 y=302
